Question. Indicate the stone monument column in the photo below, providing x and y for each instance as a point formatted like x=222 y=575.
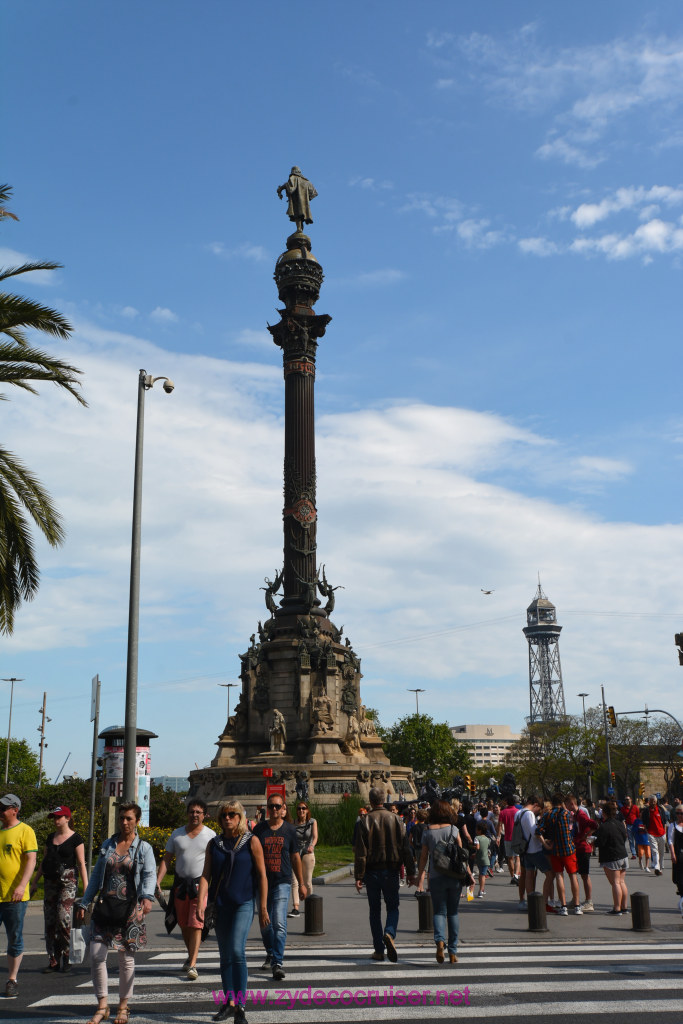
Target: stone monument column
x=300 y=713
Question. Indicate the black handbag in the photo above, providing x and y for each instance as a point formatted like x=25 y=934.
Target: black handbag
x=110 y=911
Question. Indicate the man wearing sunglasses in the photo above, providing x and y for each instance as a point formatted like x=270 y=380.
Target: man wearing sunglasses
x=281 y=853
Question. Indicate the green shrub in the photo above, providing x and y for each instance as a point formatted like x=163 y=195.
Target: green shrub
x=336 y=822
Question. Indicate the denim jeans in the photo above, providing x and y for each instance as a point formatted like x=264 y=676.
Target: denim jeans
x=12 y=916
x=232 y=927
x=275 y=934
x=382 y=883
x=445 y=893
x=631 y=839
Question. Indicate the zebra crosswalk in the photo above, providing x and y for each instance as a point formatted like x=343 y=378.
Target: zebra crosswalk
x=337 y=984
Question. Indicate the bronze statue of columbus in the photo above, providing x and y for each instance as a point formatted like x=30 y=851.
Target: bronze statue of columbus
x=299 y=191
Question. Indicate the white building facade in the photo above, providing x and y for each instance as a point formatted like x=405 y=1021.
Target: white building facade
x=489 y=744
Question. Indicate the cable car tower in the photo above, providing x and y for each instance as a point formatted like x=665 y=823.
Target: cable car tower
x=546 y=692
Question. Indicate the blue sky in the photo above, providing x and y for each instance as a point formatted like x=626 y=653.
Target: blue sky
x=500 y=221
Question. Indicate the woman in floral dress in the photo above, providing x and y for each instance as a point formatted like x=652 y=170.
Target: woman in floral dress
x=125 y=877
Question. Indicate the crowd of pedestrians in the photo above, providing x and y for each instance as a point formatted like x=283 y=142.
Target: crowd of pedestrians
x=444 y=847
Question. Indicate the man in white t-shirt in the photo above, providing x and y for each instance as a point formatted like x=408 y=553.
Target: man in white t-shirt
x=535 y=858
x=188 y=845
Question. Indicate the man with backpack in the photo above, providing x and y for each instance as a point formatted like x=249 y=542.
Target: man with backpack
x=527 y=845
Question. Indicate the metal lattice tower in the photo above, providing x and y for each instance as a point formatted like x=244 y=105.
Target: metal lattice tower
x=546 y=693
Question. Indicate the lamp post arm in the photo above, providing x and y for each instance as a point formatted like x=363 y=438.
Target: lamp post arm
x=653 y=711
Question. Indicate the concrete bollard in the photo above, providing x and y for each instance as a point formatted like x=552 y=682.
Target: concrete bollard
x=536 y=911
x=313 y=915
x=640 y=912
x=425 y=912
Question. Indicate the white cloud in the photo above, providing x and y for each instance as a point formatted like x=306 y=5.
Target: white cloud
x=386 y=275
x=538 y=246
x=477 y=235
x=250 y=338
x=371 y=184
x=588 y=214
x=163 y=315
x=450 y=214
x=656 y=237
x=589 y=467
x=247 y=251
x=588 y=90
x=130 y=312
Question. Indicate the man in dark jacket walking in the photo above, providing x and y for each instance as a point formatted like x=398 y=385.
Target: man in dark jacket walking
x=380 y=850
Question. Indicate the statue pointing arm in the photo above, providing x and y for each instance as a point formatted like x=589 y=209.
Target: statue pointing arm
x=299 y=191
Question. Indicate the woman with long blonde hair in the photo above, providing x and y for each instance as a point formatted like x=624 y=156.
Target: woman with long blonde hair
x=233 y=870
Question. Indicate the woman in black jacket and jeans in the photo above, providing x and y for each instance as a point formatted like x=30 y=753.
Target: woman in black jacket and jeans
x=611 y=839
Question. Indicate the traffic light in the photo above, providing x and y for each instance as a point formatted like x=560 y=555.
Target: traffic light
x=678 y=640
x=473 y=786
x=612 y=716
x=641 y=789
x=468 y=782
x=613 y=776
x=680 y=774
x=99 y=773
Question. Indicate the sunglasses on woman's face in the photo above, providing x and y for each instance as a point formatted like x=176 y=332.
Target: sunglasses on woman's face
x=302 y=808
x=230 y=814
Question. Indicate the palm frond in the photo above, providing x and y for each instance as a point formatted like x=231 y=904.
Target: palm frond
x=20 y=364
x=5 y=194
x=16 y=311
x=20 y=493
x=26 y=268
x=34 y=498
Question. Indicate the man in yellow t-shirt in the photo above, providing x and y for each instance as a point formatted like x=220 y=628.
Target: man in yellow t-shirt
x=18 y=849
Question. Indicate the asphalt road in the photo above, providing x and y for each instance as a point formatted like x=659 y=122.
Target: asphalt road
x=592 y=964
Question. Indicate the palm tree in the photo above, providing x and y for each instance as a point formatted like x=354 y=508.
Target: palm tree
x=22 y=496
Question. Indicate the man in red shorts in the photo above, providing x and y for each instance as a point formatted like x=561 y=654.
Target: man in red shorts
x=188 y=845
x=557 y=840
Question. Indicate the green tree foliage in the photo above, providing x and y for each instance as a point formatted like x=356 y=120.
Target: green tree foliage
x=426 y=746
x=24 y=765
x=22 y=497
x=553 y=756
x=167 y=809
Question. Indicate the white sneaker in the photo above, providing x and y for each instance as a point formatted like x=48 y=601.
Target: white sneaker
x=587 y=906
x=522 y=905
x=648 y=870
x=191 y=974
x=577 y=910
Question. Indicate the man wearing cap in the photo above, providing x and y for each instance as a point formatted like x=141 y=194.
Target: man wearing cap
x=18 y=848
x=63 y=862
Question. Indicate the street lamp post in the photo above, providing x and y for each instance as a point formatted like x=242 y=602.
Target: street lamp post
x=145 y=382
x=228 y=687
x=11 y=680
x=416 y=691
x=585 y=738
